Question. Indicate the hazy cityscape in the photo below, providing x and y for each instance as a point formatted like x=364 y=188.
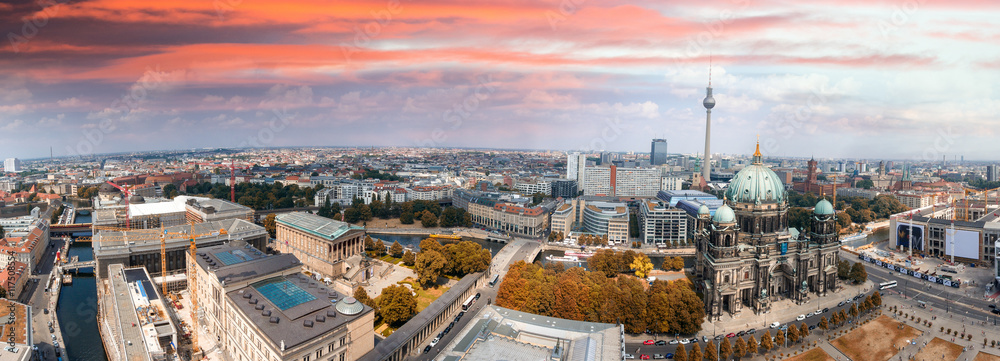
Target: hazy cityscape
x=545 y=180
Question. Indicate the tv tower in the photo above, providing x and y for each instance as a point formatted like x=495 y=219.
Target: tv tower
x=709 y=103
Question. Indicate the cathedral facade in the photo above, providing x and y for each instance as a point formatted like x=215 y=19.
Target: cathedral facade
x=748 y=258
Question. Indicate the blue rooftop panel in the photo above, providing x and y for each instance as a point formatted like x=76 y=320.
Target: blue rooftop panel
x=282 y=293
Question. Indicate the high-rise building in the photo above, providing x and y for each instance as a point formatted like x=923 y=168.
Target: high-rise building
x=12 y=165
x=992 y=173
x=575 y=163
x=566 y=188
x=607 y=158
x=621 y=182
x=658 y=152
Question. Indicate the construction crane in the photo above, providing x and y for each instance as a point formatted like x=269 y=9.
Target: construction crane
x=232 y=179
x=126 y=194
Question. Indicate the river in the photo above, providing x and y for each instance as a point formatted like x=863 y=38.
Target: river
x=77 y=311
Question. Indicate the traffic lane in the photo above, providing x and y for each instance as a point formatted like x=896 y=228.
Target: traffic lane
x=485 y=295
x=916 y=291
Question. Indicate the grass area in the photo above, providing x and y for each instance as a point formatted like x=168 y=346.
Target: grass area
x=391 y=259
x=424 y=296
x=982 y=356
x=937 y=350
x=875 y=341
x=384 y=329
x=816 y=354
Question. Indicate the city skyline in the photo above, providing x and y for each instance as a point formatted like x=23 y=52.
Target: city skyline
x=907 y=80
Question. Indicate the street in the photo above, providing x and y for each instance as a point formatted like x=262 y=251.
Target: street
x=36 y=296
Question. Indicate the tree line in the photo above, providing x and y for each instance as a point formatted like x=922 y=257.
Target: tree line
x=578 y=294
x=456 y=259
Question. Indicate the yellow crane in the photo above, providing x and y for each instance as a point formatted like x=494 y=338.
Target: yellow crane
x=163 y=235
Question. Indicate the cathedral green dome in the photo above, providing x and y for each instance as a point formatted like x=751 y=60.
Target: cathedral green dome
x=703 y=210
x=756 y=183
x=724 y=215
x=823 y=208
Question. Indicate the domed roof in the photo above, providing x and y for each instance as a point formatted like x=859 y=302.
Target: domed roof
x=107 y=188
x=136 y=199
x=350 y=306
x=703 y=210
x=724 y=215
x=756 y=183
x=709 y=101
x=823 y=208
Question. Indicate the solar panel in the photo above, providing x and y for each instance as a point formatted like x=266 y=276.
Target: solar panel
x=233 y=257
x=282 y=293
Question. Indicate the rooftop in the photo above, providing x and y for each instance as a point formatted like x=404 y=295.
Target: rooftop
x=320 y=226
x=231 y=263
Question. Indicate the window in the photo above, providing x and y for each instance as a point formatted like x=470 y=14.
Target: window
x=305 y=358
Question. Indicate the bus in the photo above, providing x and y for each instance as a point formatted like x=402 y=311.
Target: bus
x=468 y=303
x=885 y=285
x=496 y=278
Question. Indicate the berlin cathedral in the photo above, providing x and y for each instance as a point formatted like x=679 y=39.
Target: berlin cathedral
x=747 y=257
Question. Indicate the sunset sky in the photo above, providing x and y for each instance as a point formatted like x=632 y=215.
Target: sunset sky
x=830 y=78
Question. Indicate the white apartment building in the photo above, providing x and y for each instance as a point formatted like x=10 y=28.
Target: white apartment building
x=661 y=224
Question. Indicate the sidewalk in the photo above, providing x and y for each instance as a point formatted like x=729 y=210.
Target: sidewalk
x=962 y=324
x=783 y=311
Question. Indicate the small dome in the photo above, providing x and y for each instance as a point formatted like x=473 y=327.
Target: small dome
x=703 y=210
x=724 y=215
x=350 y=306
x=136 y=199
x=823 y=208
x=107 y=188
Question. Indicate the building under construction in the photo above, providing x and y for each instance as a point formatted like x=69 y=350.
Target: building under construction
x=142 y=213
x=142 y=247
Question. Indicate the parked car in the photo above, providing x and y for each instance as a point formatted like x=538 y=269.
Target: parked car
x=685 y=341
x=661 y=342
x=812 y=327
x=776 y=325
x=741 y=333
x=648 y=342
x=810 y=314
x=644 y=357
x=669 y=355
x=704 y=338
x=629 y=356
x=840 y=304
x=800 y=318
x=825 y=310
x=657 y=356
x=731 y=335
x=751 y=331
x=995 y=311
x=993 y=306
x=719 y=337
x=427 y=349
x=435 y=341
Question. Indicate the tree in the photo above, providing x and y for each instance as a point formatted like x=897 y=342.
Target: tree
x=741 y=348
x=406 y=218
x=751 y=345
x=362 y=296
x=695 y=353
x=858 y=273
x=864 y=183
x=429 y=264
x=408 y=258
x=854 y=310
x=428 y=220
x=803 y=331
x=379 y=248
x=397 y=304
x=396 y=250
x=779 y=338
x=876 y=298
x=823 y=324
x=681 y=353
x=369 y=243
x=710 y=353
x=633 y=226
x=271 y=225
x=843 y=269
x=793 y=334
x=641 y=265
x=725 y=349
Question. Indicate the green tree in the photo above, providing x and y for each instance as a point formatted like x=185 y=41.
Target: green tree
x=408 y=258
x=406 y=218
x=170 y=190
x=271 y=225
x=429 y=265
x=633 y=226
x=751 y=345
x=858 y=273
x=864 y=183
x=843 y=269
x=641 y=265
x=396 y=250
x=741 y=348
x=397 y=304
x=710 y=353
x=428 y=220
x=725 y=349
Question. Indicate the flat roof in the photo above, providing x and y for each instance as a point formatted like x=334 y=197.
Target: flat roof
x=256 y=264
x=320 y=226
x=148 y=239
x=299 y=323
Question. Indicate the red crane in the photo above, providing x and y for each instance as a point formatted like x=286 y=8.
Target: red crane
x=127 y=194
x=232 y=179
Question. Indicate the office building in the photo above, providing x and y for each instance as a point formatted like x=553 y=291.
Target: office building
x=621 y=182
x=262 y=307
x=992 y=173
x=597 y=181
x=661 y=224
x=575 y=162
x=565 y=188
x=322 y=244
x=534 y=186
x=933 y=231
x=606 y=218
x=12 y=165
x=671 y=183
x=563 y=218
x=491 y=210
x=658 y=152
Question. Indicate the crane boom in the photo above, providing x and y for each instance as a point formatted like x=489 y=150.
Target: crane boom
x=127 y=194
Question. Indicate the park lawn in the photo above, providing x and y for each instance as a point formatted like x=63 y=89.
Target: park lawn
x=390 y=259
x=938 y=347
x=875 y=341
x=424 y=296
x=816 y=354
x=982 y=356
